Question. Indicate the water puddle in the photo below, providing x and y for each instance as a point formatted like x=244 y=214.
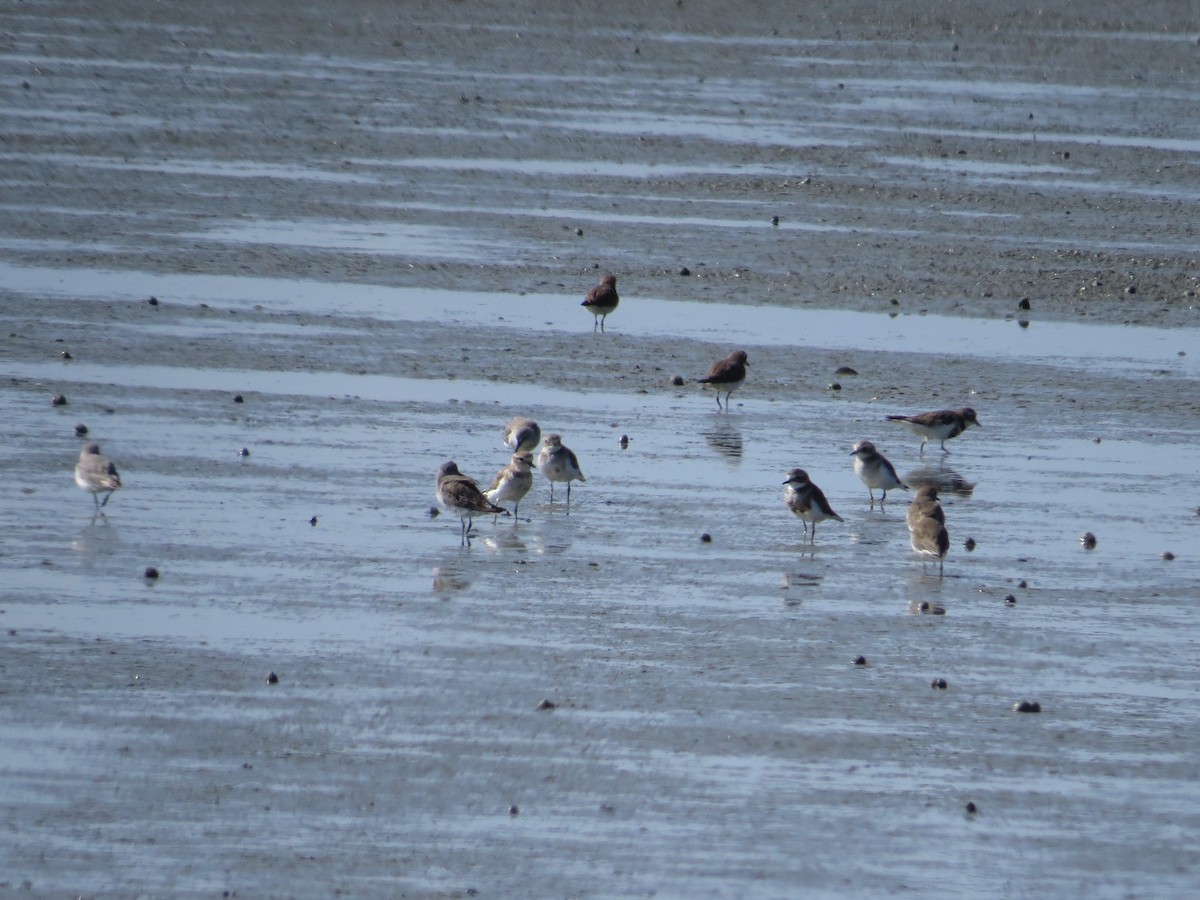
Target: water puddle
x=1098 y=347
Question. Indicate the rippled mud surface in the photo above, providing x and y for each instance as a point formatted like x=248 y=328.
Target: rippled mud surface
x=375 y=230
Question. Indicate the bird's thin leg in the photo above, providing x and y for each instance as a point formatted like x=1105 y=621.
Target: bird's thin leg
x=944 y=450
x=602 y=318
x=551 y=491
x=568 y=498
x=107 y=497
x=516 y=509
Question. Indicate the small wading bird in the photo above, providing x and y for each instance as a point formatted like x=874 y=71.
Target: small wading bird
x=522 y=434
x=927 y=534
x=459 y=494
x=559 y=463
x=601 y=300
x=96 y=475
x=940 y=425
x=875 y=471
x=807 y=501
x=726 y=375
x=513 y=482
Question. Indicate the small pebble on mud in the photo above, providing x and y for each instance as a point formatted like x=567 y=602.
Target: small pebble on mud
x=677 y=381
x=514 y=810
x=939 y=684
x=972 y=808
x=151 y=573
x=860 y=660
x=685 y=271
x=153 y=301
x=1010 y=600
x=775 y=220
x=706 y=538
x=238 y=398
x=545 y=705
x=272 y=678
x=624 y=441
x=1024 y=304
x=845 y=371
x=834 y=387
x=66 y=354
x=434 y=512
x=1022 y=584
x=58 y=400
x=1088 y=541
x=1168 y=555
x=244 y=452
x=313 y=521
x=1027 y=706
x=81 y=430
x=969 y=544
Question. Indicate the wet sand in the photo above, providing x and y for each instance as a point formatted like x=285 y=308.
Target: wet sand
x=376 y=230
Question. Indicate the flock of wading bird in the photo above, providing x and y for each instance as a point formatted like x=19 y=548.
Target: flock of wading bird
x=925 y=517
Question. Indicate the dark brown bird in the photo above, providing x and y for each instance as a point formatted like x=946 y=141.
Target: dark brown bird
x=940 y=425
x=927 y=534
x=807 y=501
x=726 y=375
x=601 y=300
x=462 y=496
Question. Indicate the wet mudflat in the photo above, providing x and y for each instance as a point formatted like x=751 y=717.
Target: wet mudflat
x=388 y=303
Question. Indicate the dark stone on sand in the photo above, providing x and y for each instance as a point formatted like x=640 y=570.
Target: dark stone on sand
x=775 y=220
x=1024 y=304
x=514 y=810
x=153 y=301
x=434 y=512
x=685 y=271
x=58 y=400
x=706 y=538
x=66 y=354
x=845 y=371
x=1132 y=289
x=81 y=430
x=238 y=398
x=312 y=521
x=677 y=381
x=1027 y=706
x=244 y=452
x=834 y=387
x=972 y=808
x=545 y=705
x=939 y=684
x=272 y=678
x=1022 y=584
x=1168 y=555
x=1088 y=541
x=860 y=660
x=151 y=573
x=1010 y=600
x=969 y=544
x=624 y=441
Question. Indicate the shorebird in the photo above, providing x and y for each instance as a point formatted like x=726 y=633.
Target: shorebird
x=522 y=434
x=559 y=463
x=96 y=475
x=940 y=425
x=726 y=375
x=807 y=501
x=462 y=496
x=875 y=471
x=601 y=300
x=512 y=482
x=926 y=520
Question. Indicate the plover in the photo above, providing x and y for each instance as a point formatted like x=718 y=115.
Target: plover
x=875 y=471
x=461 y=495
x=96 y=475
x=522 y=434
x=726 y=375
x=929 y=539
x=559 y=463
x=807 y=501
x=601 y=300
x=926 y=522
x=512 y=482
x=924 y=504
x=940 y=425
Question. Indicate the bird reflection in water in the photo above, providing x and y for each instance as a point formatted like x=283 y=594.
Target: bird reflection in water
x=449 y=579
x=96 y=539
x=946 y=480
x=726 y=440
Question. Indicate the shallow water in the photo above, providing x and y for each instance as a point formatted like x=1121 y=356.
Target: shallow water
x=369 y=229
